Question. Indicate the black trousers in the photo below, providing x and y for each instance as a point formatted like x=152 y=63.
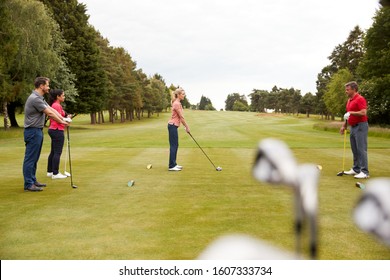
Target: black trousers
x=57 y=143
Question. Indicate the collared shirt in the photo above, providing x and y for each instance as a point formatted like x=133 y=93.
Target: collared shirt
x=33 y=111
x=356 y=103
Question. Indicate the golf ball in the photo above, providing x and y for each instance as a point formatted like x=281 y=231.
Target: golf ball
x=219 y=168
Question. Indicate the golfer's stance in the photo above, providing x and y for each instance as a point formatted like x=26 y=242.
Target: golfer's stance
x=357 y=118
x=177 y=118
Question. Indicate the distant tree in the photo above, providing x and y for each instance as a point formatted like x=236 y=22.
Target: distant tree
x=349 y=54
x=308 y=102
x=335 y=97
x=205 y=104
x=344 y=56
x=231 y=100
x=259 y=100
x=375 y=68
x=239 y=105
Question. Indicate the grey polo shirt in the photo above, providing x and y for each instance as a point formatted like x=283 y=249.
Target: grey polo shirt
x=33 y=111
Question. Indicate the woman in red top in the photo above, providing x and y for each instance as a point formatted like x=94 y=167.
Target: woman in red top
x=177 y=118
x=56 y=132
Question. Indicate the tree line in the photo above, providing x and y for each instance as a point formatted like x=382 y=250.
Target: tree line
x=363 y=57
x=53 y=38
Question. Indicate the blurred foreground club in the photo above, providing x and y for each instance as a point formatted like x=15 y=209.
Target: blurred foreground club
x=372 y=211
x=243 y=247
x=276 y=164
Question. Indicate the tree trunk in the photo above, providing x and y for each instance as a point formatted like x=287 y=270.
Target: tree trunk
x=6 y=118
x=11 y=107
x=93 y=118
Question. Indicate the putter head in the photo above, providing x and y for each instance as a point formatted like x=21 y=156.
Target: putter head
x=275 y=163
x=74 y=186
x=341 y=173
x=372 y=211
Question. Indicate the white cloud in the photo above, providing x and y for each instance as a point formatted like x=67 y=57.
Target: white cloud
x=218 y=47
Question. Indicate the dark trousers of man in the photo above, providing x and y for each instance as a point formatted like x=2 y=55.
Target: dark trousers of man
x=173 y=144
x=33 y=139
x=358 y=140
x=57 y=143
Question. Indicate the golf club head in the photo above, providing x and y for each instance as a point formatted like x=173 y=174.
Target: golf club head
x=341 y=173
x=275 y=163
x=219 y=168
x=372 y=212
x=243 y=247
x=74 y=186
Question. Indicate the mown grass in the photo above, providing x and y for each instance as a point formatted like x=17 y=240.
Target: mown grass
x=176 y=215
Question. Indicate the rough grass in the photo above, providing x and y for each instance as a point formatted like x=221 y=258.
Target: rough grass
x=176 y=215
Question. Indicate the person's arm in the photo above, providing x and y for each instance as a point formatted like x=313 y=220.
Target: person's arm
x=179 y=112
x=359 y=113
x=49 y=111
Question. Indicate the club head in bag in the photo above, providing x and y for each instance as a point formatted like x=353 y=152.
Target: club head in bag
x=372 y=212
x=275 y=163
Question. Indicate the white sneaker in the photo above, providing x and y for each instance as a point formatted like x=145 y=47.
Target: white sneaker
x=350 y=172
x=49 y=174
x=174 y=169
x=179 y=166
x=361 y=175
x=59 y=176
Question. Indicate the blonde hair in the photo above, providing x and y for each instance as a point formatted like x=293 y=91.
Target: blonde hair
x=175 y=93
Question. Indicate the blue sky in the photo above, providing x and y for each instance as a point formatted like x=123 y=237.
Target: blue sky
x=218 y=47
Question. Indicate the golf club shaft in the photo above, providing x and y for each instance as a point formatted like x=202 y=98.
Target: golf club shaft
x=70 y=160
x=202 y=150
x=345 y=140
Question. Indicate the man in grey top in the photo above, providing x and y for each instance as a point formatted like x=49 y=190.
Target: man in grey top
x=35 y=110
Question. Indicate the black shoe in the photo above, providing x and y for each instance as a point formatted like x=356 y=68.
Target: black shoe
x=39 y=184
x=33 y=188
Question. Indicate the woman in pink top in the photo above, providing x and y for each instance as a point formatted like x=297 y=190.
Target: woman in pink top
x=177 y=118
x=56 y=132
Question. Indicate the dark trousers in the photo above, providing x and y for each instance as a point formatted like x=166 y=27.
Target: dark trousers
x=173 y=144
x=358 y=139
x=33 y=139
x=57 y=143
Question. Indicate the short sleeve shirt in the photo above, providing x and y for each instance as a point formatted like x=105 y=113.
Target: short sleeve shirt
x=356 y=103
x=33 y=111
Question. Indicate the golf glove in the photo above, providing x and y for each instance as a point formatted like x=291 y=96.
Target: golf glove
x=68 y=120
x=346 y=116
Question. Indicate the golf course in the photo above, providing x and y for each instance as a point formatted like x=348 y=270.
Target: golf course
x=176 y=215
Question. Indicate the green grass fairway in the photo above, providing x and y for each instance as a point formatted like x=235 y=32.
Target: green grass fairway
x=175 y=215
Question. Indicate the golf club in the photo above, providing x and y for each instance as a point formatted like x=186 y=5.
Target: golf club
x=276 y=164
x=66 y=158
x=216 y=168
x=341 y=173
x=70 y=160
x=372 y=211
x=243 y=247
